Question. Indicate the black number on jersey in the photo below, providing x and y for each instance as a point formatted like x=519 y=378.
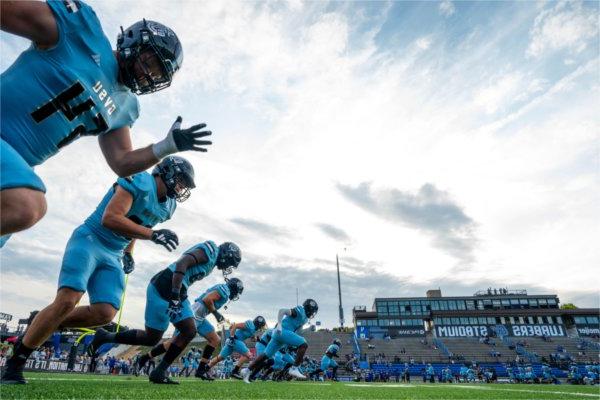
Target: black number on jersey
x=60 y=104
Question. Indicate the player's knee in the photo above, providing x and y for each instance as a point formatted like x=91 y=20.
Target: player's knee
x=105 y=313
x=28 y=209
x=65 y=304
x=188 y=334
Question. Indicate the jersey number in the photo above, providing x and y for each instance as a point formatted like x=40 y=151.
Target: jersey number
x=60 y=103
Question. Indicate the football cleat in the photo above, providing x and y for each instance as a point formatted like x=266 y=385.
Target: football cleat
x=295 y=372
x=246 y=375
x=13 y=378
x=159 y=377
x=99 y=340
x=205 y=376
x=237 y=375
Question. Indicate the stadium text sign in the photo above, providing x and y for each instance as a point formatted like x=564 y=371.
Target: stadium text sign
x=489 y=330
x=588 y=330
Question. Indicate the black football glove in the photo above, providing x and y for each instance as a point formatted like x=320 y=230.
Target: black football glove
x=218 y=316
x=166 y=238
x=188 y=139
x=231 y=341
x=175 y=307
x=128 y=263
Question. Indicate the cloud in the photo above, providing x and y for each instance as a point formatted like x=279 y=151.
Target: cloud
x=499 y=93
x=423 y=43
x=334 y=232
x=264 y=229
x=430 y=210
x=567 y=26
x=447 y=8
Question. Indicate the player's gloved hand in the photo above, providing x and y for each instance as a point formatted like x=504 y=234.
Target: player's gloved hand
x=278 y=328
x=175 y=307
x=165 y=237
x=231 y=341
x=218 y=316
x=182 y=139
x=128 y=263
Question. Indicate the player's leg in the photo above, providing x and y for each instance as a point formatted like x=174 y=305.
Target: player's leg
x=255 y=366
x=77 y=266
x=245 y=356
x=22 y=193
x=105 y=289
x=156 y=321
x=206 y=330
x=187 y=331
x=292 y=339
x=43 y=325
x=334 y=367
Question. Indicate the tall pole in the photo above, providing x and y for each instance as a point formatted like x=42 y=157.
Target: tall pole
x=337 y=261
x=296 y=296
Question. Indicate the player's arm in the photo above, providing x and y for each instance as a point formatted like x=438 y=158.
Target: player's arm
x=124 y=161
x=235 y=327
x=115 y=216
x=32 y=20
x=282 y=313
x=186 y=261
x=209 y=301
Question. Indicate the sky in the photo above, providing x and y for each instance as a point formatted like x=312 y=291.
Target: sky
x=448 y=145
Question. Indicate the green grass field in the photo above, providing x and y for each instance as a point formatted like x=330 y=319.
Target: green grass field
x=72 y=386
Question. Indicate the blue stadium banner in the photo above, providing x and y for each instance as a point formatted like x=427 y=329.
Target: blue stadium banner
x=504 y=330
x=362 y=332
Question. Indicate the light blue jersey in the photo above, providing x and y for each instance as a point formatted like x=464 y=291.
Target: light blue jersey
x=52 y=97
x=223 y=291
x=145 y=210
x=246 y=332
x=199 y=271
x=294 y=323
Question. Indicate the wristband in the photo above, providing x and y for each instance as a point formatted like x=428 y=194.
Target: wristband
x=164 y=147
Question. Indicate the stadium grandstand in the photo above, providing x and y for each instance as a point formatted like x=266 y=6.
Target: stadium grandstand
x=494 y=330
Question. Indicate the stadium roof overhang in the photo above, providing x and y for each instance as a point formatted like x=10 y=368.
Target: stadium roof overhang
x=516 y=312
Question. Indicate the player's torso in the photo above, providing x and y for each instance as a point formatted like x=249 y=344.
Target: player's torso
x=223 y=291
x=52 y=97
x=146 y=209
x=246 y=332
x=294 y=323
x=200 y=271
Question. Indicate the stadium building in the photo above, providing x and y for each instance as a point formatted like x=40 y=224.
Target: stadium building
x=493 y=312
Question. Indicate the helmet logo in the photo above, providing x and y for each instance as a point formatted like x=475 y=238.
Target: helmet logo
x=159 y=30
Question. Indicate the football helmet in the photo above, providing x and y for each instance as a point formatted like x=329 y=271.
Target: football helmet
x=236 y=287
x=259 y=322
x=229 y=257
x=178 y=176
x=310 y=307
x=143 y=43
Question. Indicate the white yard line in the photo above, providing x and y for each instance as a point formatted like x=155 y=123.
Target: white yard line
x=499 y=389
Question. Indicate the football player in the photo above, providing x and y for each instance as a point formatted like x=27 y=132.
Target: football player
x=289 y=323
x=70 y=83
x=328 y=362
x=96 y=249
x=235 y=343
x=167 y=301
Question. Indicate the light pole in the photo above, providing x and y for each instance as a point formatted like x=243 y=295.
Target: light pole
x=337 y=261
